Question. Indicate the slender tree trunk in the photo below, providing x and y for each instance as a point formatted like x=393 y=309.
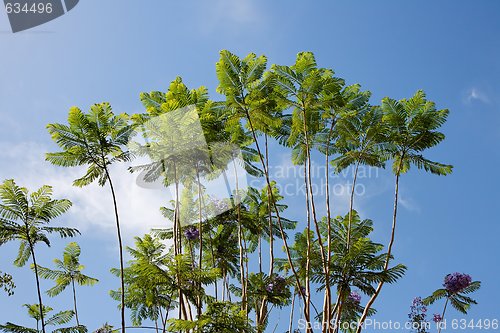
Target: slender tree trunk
x=223 y=287
x=328 y=293
x=120 y=246
x=260 y=253
x=444 y=312
x=335 y=308
x=351 y=205
x=338 y=319
x=348 y=238
x=228 y=290
x=200 y=229
x=280 y=225
x=270 y=223
x=307 y=304
x=290 y=325
x=162 y=319
x=270 y=216
x=32 y=249
x=178 y=244
x=389 y=251
x=240 y=242
x=212 y=246
x=262 y=315
x=313 y=211
x=74 y=302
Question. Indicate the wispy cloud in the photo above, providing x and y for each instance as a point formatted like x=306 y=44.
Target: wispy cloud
x=220 y=14
x=408 y=203
x=475 y=94
x=92 y=206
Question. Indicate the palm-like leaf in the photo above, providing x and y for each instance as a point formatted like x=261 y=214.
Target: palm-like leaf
x=413 y=124
x=25 y=217
x=95 y=139
x=68 y=272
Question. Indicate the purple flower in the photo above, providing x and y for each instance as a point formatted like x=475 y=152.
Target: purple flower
x=280 y=280
x=220 y=206
x=354 y=297
x=437 y=318
x=418 y=311
x=456 y=282
x=192 y=233
x=278 y=284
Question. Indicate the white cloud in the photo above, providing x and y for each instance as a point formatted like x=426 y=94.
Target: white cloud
x=221 y=13
x=408 y=203
x=92 y=210
x=475 y=94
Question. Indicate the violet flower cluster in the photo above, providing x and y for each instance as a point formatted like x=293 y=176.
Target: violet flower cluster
x=277 y=285
x=354 y=297
x=456 y=282
x=418 y=314
x=437 y=318
x=191 y=233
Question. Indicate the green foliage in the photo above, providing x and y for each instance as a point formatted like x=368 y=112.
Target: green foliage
x=360 y=264
x=96 y=139
x=362 y=137
x=413 y=128
x=58 y=319
x=219 y=317
x=148 y=288
x=7 y=283
x=303 y=107
x=68 y=270
x=154 y=278
x=459 y=300
x=26 y=216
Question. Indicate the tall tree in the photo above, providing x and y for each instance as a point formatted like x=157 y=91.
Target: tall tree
x=302 y=87
x=249 y=98
x=25 y=217
x=68 y=272
x=356 y=263
x=96 y=139
x=174 y=126
x=413 y=128
x=148 y=292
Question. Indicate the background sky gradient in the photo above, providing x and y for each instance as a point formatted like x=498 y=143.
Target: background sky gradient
x=111 y=50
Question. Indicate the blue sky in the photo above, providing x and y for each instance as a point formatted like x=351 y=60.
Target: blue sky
x=113 y=50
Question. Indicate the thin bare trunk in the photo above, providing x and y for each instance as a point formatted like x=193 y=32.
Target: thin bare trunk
x=313 y=211
x=348 y=237
x=389 y=251
x=328 y=293
x=351 y=205
x=178 y=244
x=270 y=217
x=290 y=325
x=338 y=319
x=444 y=312
x=32 y=249
x=307 y=305
x=200 y=230
x=240 y=242
x=74 y=302
x=280 y=225
x=260 y=253
x=120 y=246
x=212 y=250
